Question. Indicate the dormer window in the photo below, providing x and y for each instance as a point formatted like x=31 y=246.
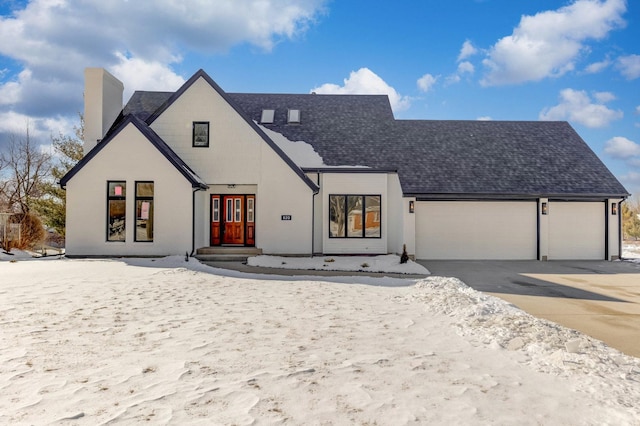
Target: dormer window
x=293 y=116
x=267 y=116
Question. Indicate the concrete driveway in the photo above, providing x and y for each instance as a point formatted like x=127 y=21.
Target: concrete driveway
x=598 y=298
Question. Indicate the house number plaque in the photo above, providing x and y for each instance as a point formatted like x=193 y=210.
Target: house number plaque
x=285 y=217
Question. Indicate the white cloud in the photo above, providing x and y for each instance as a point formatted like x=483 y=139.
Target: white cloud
x=629 y=66
x=622 y=148
x=426 y=82
x=638 y=110
x=548 y=43
x=366 y=82
x=577 y=106
x=604 y=97
x=41 y=129
x=466 y=68
x=54 y=40
x=466 y=51
x=485 y=118
x=597 y=67
x=137 y=74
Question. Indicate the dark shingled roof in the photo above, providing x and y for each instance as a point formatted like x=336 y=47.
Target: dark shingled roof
x=434 y=159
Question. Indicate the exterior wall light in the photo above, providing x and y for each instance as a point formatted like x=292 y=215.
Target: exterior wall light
x=614 y=209
x=412 y=206
x=545 y=208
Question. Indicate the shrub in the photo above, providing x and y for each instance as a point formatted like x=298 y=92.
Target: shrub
x=32 y=232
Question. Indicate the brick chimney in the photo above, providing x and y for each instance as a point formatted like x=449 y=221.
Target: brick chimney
x=102 y=104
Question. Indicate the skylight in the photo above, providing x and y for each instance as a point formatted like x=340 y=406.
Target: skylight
x=267 y=116
x=294 y=116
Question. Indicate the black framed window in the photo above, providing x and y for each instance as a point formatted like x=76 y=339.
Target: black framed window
x=116 y=210
x=354 y=216
x=200 y=134
x=144 y=211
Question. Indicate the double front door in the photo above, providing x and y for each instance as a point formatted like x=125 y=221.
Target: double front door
x=233 y=220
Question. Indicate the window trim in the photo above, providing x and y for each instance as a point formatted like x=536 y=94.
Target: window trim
x=143 y=198
x=346 y=235
x=108 y=210
x=193 y=134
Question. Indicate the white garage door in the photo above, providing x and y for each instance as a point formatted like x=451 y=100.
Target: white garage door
x=476 y=230
x=576 y=230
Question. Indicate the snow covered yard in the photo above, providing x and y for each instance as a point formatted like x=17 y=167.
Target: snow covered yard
x=172 y=342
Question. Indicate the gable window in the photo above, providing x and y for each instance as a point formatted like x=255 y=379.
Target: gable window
x=200 y=134
x=116 y=210
x=267 y=116
x=293 y=116
x=354 y=216
x=144 y=211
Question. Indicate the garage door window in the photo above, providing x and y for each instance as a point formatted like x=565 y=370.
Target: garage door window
x=354 y=216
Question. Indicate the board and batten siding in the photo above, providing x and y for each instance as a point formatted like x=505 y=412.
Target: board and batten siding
x=468 y=230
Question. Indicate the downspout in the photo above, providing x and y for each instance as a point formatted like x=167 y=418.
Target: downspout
x=313 y=214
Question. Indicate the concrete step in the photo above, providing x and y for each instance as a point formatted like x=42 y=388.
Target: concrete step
x=226 y=253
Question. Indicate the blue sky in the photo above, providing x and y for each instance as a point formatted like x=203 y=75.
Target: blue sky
x=573 y=60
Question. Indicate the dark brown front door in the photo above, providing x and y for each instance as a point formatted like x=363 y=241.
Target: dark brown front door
x=233 y=220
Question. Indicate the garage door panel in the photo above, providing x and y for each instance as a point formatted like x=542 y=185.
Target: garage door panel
x=476 y=230
x=576 y=230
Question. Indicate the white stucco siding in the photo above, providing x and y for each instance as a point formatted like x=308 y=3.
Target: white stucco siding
x=235 y=149
x=128 y=157
x=355 y=184
x=282 y=192
x=576 y=230
x=476 y=230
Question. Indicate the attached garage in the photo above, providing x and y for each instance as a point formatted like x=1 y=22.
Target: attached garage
x=577 y=230
x=476 y=230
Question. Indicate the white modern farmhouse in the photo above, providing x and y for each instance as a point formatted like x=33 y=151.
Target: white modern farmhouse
x=176 y=172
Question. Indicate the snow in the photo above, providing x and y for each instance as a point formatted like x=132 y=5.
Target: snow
x=167 y=341
x=300 y=152
x=387 y=263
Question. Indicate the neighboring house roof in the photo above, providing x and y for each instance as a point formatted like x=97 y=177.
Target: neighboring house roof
x=169 y=154
x=435 y=159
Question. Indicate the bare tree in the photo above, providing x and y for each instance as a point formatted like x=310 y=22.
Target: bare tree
x=27 y=168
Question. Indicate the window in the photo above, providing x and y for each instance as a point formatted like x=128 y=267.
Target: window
x=267 y=116
x=116 y=210
x=229 y=210
x=293 y=116
x=238 y=217
x=200 y=134
x=354 y=216
x=144 y=211
x=250 y=208
x=216 y=210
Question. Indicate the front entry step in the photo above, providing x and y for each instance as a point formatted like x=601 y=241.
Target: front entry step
x=213 y=254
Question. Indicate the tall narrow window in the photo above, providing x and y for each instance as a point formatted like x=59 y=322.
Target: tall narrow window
x=250 y=208
x=144 y=211
x=238 y=217
x=200 y=134
x=229 y=210
x=216 y=210
x=116 y=210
